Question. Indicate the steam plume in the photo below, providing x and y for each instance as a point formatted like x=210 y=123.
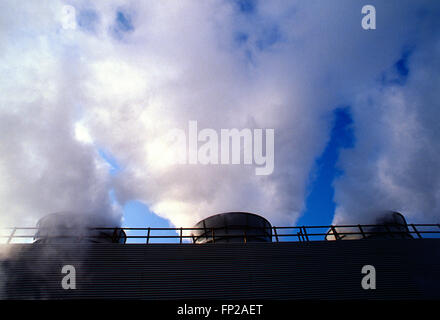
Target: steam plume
x=133 y=70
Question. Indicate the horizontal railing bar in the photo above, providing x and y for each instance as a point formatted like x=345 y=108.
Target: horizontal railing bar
x=221 y=236
x=229 y=227
x=256 y=235
x=308 y=233
x=280 y=234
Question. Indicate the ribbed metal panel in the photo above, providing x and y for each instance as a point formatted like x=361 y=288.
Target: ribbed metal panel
x=406 y=269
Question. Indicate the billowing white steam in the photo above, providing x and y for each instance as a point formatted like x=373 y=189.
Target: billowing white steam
x=133 y=70
x=396 y=162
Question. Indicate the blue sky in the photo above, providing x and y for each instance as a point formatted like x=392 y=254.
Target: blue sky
x=137 y=215
x=320 y=206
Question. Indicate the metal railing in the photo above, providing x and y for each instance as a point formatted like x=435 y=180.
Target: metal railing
x=276 y=234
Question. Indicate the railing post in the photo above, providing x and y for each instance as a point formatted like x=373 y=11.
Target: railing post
x=335 y=233
x=305 y=233
x=181 y=231
x=213 y=235
x=362 y=231
x=11 y=235
x=389 y=231
x=148 y=235
x=115 y=235
x=276 y=234
x=417 y=231
x=301 y=234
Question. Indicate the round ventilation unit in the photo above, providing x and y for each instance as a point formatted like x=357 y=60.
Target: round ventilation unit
x=68 y=227
x=233 y=227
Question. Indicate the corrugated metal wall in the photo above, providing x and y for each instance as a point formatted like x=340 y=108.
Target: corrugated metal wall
x=323 y=270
